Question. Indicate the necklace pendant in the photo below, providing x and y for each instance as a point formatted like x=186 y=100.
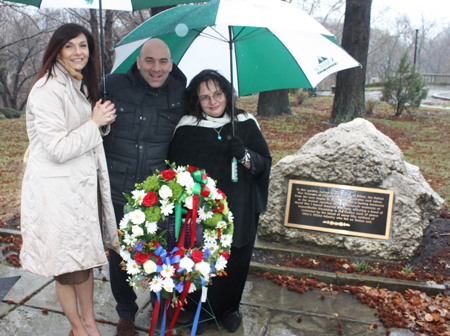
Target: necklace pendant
x=219 y=137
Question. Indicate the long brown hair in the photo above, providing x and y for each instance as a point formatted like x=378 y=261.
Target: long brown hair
x=60 y=37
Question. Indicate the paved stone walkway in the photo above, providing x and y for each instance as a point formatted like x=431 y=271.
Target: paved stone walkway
x=267 y=310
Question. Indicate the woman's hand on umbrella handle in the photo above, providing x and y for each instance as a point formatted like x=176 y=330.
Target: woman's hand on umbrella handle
x=103 y=114
x=237 y=148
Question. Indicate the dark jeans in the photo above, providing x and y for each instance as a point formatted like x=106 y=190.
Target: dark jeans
x=123 y=293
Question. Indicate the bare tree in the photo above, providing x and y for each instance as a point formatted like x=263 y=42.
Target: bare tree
x=23 y=39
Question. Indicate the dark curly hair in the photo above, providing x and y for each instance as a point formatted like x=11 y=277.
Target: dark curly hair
x=191 y=94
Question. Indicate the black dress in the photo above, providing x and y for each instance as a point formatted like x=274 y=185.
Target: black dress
x=199 y=146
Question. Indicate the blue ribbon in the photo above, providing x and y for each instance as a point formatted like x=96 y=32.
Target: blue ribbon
x=197 y=314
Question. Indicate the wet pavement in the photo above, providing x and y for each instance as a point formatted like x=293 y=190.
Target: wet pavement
x=267 y=310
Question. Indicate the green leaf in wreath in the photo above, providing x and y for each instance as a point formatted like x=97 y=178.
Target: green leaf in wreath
x=128 y=208
x=164 y=294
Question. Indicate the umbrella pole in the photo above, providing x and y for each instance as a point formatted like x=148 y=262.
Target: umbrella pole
x=102 y=49
x=234 y=168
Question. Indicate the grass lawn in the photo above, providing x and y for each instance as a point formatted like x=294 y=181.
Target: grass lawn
x=423 y=139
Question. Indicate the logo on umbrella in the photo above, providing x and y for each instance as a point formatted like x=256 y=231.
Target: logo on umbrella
x=89 y=2
x=324 y=64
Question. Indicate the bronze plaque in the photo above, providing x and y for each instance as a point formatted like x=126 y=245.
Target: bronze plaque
x=342 y=209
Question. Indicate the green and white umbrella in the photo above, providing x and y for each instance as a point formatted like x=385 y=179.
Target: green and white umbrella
x=125 y=5
x=274 y=44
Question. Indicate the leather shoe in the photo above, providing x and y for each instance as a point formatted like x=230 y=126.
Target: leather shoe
x=232 y=321
x=125 y=327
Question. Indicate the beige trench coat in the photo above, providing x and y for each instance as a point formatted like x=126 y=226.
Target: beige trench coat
x=66 y=169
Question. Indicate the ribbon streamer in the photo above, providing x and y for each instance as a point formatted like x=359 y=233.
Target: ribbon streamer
x=197 y=313
x=155 y=314
x=187 y=285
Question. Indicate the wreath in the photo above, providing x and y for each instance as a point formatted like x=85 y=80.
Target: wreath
x=162 y=200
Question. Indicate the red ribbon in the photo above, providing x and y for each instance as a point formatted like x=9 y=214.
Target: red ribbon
x=187 y=285
x=154 y=318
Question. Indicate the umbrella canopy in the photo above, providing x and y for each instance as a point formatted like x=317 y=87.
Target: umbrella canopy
x=126 y=5
x=275 y=44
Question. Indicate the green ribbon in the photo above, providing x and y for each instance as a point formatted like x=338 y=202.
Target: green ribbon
x=179 y=211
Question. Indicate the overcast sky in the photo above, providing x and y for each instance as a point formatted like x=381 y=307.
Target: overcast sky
x=432 y=9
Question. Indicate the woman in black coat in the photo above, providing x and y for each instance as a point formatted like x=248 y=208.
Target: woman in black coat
x=204 y=139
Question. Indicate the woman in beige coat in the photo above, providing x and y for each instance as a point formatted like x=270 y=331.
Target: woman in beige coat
x=65 y=191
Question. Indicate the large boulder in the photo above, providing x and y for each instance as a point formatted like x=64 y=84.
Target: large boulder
x=356 y=154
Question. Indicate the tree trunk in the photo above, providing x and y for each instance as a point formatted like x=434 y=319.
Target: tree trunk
x=274 y=102
x=109 y=41
x=349 y=100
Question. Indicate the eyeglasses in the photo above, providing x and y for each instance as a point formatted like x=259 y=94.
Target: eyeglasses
x=205 y=98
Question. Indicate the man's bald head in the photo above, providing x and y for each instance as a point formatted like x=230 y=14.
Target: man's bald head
x=154 y=62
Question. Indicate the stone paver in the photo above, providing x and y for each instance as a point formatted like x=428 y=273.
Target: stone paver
x=27 y=284
x=267 y=310
x=104 y=304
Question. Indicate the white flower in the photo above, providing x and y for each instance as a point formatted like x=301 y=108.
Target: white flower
x=192 y=289
x=151 y=227
x=226 y=240
x=204 y=214
x=167 y=271
x=180 y=169
x=138 y=195
x=221 y=262
x=211 y=246
x=188 y=202
x=156 y=284
x=129 y=240
x=137 y=231
x=137 y=216
x=168 y=285
x=187 y=263
x=124 y=222
x=185 y=178
x=125 y=254
x=165 y=192
x=211 y=183
x=217 y=195
x=166 y=208
x=209 y=236
x=190 y=188
x=149 y=267
x=203 y=267
x=230 y=216
x=222 y=225
x=132 y=267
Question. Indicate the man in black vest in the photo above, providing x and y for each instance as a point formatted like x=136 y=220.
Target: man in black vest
x=149 y=103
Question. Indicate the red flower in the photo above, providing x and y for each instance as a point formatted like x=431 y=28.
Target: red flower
x=192 y=169
x=221 y=192
x=197 y=256
x=224 y=254
x=141 y=258
x=219 y=209
x=150 y=199
x=168 y=174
